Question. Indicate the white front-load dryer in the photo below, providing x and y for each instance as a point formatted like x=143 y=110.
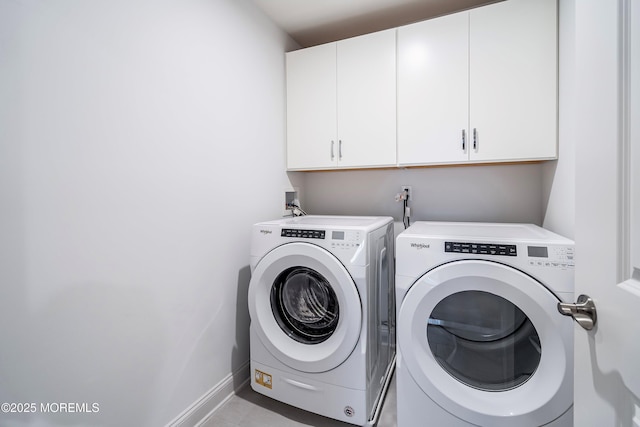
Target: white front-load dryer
x=480 y=338
x=322 y=307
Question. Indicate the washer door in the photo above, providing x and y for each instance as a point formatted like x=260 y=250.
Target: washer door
x=486 y=343
x=305 y=307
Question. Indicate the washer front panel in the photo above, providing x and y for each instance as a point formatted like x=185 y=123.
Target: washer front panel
x=322 y=355
x=543 y=397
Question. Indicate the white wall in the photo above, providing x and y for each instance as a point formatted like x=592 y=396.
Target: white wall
x=499 y=193
x=559 y=176
x=138 y=143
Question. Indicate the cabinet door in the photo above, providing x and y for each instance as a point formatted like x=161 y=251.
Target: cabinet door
x=513 y=80
x=433 y=90
x=311 y=108
x=367 y=100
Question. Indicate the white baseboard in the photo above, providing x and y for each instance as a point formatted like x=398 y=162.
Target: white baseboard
x=201 y=409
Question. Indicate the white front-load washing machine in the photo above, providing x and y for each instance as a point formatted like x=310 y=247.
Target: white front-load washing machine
x=322 y=307
x=480 y=338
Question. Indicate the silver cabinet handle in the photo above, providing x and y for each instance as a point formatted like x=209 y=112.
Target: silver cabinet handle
x=332 y=155
x=340 y=150
x=475 y=139
x=464 y=140
x=583 y=311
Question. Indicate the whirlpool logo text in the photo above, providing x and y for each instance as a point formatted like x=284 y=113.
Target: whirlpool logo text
x=420 y=245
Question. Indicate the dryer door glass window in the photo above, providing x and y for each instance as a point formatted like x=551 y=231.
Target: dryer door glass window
x=304 y=305
x=483 y=340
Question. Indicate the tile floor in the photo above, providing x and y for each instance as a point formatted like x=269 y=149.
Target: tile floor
x=251 y=409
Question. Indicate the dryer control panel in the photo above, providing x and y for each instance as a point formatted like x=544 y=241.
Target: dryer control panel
x=551 y=256
x=539 y=256
x=481 y=248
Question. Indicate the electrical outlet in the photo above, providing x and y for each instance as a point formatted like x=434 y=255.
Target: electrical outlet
x=409 y=191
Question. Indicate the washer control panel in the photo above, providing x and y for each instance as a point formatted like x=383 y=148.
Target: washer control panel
x=338 y=239
x=303 y=234
x=347 y=239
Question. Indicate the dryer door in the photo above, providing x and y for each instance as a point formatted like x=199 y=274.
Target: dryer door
x=305 y=307
x=486 y=343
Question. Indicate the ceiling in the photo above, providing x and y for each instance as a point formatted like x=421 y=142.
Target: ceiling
x=313 y=22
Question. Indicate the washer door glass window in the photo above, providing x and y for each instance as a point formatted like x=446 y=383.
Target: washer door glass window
x=304 y=305
x=483 y=340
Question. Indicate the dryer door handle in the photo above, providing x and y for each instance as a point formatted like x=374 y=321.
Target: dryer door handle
x=583 y=311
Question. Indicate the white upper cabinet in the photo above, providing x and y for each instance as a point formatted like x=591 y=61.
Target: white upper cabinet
x=479 y=86
x=367 y=100
x=341 y=104
x=433 y=91
x=311 y=108
x=513 y=80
